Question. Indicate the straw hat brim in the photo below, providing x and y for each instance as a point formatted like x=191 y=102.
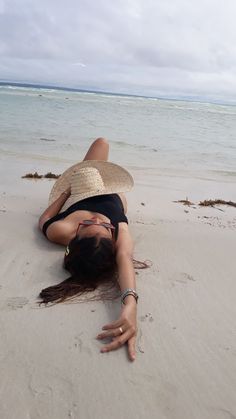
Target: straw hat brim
x=115 y=178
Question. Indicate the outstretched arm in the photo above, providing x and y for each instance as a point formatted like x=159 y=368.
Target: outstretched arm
x=124 y=329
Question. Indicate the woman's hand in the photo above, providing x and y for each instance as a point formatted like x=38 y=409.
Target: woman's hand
x=67 y=192
x=122 y=330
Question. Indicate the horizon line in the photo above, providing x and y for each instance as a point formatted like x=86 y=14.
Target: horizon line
x=184 y=98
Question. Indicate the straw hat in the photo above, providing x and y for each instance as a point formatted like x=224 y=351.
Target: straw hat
x=90 y=178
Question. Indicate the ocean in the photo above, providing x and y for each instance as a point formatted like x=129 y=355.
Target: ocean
x=57 y=126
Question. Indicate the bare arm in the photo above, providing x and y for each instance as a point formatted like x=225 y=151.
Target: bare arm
x=124 y=329
x=124 y=259
x=54 y=208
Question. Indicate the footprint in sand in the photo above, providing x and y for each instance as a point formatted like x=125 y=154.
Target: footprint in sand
x=14 y=303
x=146 y=317
x=183 y=278
x=79 y=344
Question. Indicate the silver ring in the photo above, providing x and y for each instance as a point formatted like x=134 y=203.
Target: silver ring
x=121 y=330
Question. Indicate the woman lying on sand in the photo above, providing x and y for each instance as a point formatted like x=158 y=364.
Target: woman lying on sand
x=94 y=227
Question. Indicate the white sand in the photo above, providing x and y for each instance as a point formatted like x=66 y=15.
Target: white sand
x=51 y=367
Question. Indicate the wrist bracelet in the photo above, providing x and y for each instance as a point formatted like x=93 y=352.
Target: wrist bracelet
x=129 y=291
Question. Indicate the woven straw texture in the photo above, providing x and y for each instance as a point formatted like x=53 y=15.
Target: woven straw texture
x=90 y=178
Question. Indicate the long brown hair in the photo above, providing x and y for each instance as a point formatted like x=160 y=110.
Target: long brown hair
x=91 y=263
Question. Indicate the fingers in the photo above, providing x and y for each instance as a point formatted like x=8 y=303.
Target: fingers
x=116 y=343
x=110 y=333
x=121 y=331
x=113 y=325
x=131 y=348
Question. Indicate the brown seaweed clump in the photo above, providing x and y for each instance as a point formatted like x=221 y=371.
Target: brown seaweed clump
x=211 y=203
x=208 y=203
x=34 y=175
x=185 y=202
x=50 y=175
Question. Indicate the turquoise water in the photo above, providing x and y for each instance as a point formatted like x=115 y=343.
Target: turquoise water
x=167 y=135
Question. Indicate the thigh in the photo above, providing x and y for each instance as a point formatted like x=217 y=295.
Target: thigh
x=99 y=150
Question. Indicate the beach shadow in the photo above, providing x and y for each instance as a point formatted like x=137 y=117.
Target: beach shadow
x=43 y=243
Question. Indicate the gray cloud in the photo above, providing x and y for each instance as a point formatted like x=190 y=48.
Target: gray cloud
x=136 y=46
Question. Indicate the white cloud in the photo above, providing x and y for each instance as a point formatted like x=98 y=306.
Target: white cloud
x=79 y=64
x=137 y=46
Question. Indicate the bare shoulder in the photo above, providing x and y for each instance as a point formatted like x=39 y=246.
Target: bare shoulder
x=124 y=242
x=60 y=232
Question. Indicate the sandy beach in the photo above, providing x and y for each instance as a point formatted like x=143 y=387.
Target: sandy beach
x=51 y=365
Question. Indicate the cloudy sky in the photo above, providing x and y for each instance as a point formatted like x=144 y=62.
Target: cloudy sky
x=170 y=48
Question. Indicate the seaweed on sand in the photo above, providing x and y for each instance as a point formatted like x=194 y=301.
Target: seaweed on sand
x=208 y=203
x=185 y=202
x=211 y=203
x=34 y=175
x=50 y=175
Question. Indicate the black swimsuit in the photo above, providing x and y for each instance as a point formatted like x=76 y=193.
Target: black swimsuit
x=109 y=205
